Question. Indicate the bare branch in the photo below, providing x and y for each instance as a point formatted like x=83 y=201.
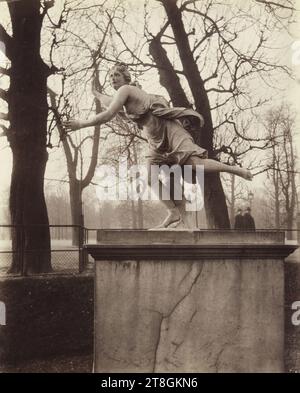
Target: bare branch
x=62 y=134
x=244 y=137
x=8 y=42
x=47 y=5
x=4 y=116
x=5 y=71
x=5 y=130
x=63 y=15
x=271 y=4
x=132 y=53
x=3 y=95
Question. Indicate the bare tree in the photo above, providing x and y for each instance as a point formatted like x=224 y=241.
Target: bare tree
x=280 y=125
x=74 y=157
x=231 y=68
x=27 y=114
x=216 y=68
x=207 y=39
x=74 y=148
x=236 y=195
x=78 y=76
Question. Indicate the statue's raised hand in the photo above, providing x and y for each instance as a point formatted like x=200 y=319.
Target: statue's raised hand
x=72 y=125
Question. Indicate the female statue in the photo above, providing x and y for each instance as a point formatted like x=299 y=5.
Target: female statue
x=169 y=142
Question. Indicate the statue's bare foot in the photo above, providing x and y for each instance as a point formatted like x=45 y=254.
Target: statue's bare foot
x=172 y=220
x=246 y=174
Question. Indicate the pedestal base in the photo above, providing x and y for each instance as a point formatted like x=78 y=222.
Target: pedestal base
x=192 y=307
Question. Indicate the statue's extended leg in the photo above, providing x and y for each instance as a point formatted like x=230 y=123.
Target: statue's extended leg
x=216 y=166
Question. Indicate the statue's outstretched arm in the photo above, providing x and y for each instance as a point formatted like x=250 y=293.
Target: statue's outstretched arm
x=114 y=107
x=106 y=101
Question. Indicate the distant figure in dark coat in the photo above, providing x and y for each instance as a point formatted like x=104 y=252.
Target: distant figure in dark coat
x=249 y=224
x=239 y=221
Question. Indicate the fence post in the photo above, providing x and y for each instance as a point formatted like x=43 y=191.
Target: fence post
x=298 y=227
x=83 y=255
x=84 y=251
x=80 y=243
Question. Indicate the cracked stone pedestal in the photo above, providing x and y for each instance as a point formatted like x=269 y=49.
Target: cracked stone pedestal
x=189 y=301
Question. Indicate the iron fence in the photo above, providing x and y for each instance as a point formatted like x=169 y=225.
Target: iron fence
x=66 y=249
x=68 y=254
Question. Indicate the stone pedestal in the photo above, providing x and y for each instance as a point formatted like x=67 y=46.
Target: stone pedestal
x=180 y=301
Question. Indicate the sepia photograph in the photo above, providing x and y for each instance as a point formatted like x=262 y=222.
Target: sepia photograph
x=149 y=189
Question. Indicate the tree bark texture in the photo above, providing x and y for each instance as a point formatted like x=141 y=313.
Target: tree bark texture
x=28 y=110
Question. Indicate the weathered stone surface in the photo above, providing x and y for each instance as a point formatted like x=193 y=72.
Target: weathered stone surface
x=222 y=314
x=121 y=236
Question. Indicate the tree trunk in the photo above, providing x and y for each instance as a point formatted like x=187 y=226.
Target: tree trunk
x=28 y=110
x=30 y=236
x=298 y=224
x=290 y=222
x=76 y=212
x=232 y=202
x=293 y=199
x=276 y=191
x=140 y=214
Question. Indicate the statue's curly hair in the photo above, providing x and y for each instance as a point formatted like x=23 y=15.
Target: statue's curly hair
x=123 y=68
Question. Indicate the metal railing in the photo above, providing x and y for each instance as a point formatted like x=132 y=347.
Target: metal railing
x=66 y=248
x=68 y=254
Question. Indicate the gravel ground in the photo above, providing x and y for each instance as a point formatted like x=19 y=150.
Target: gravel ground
x=84 y=364
x=59 y=364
